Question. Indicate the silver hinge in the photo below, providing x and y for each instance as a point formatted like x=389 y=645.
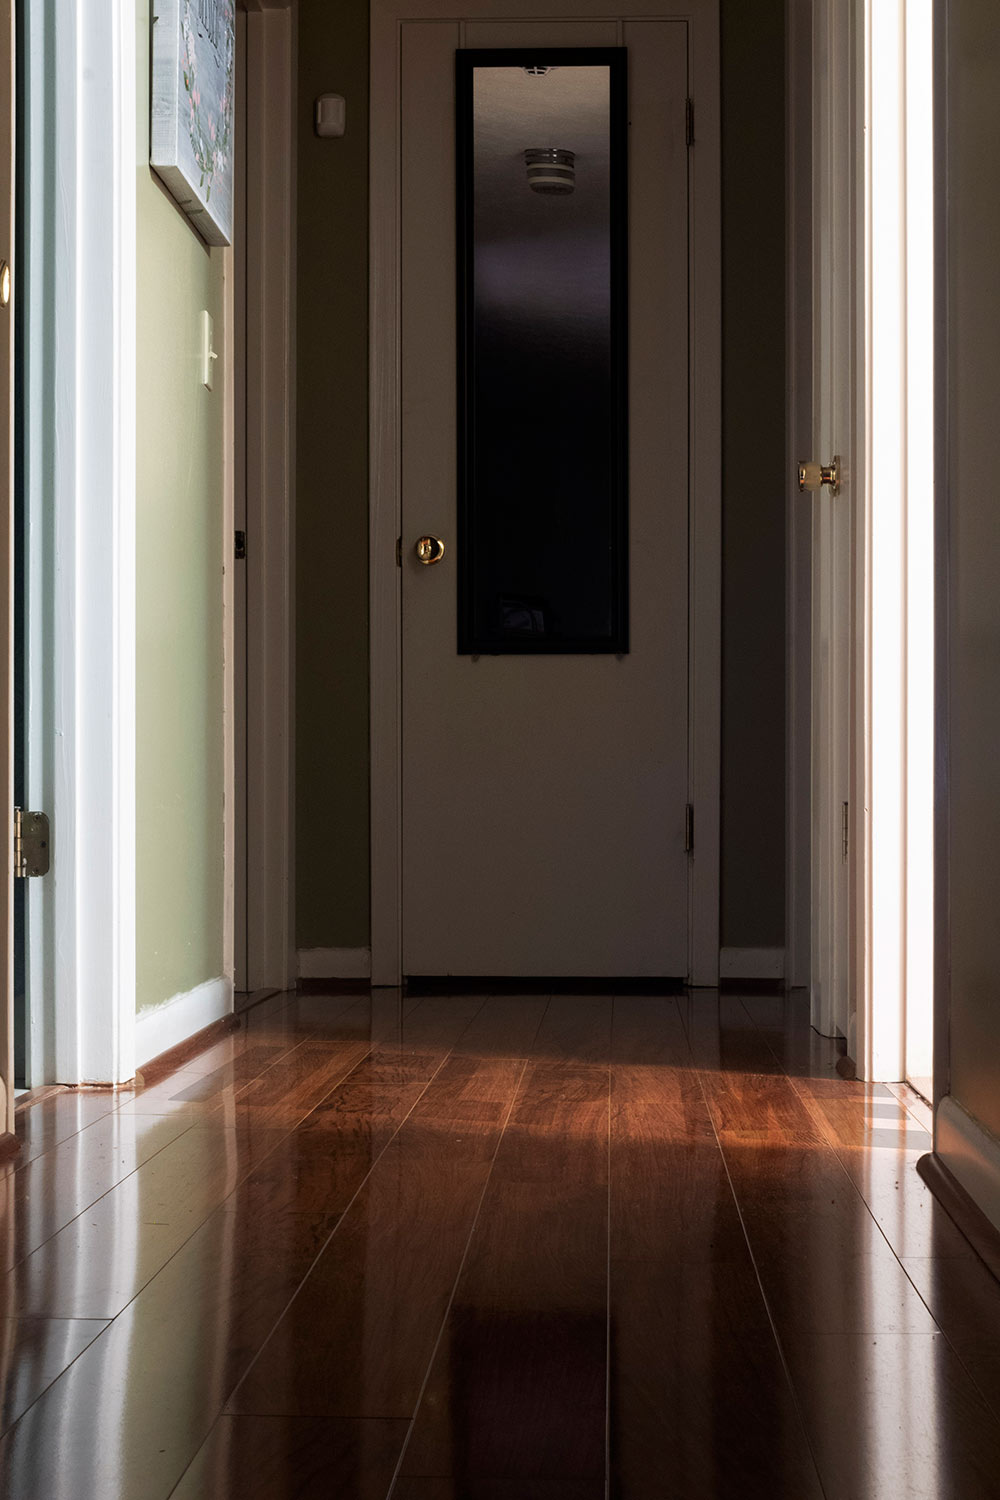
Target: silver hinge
x=241 y=546
x=31 y=844
x=689 y=121
x=689 y=829
x=843 y=830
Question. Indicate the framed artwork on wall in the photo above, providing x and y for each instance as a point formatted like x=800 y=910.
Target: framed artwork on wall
x=191 y=136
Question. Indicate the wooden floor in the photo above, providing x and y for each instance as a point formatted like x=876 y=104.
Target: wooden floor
x=515 y=1248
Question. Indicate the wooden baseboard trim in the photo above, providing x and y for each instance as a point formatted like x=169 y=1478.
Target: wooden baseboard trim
x=969 y=1217
x=971 y=1154
x=175 y=1057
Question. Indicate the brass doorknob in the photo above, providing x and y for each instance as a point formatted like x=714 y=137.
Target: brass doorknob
x=429 y=549
x=814 y=476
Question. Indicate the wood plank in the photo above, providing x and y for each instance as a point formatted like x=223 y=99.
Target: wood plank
x=517 y=1390
x=54 y=1119
x=135 y=1408
x=53 y=1189
x=693 y=1354
x=357 y=1339
x=319 y=1167
x=95 y=1265
x=33 y=1353
x=261 y=1458
x=894 y=1414
x=441 y=1488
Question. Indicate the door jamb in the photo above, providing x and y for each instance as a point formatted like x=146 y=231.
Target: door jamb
x=8 y=248
x=88 y=329
x=879 y=633
x=265 y=791
x=387 y=17
x=798 y=428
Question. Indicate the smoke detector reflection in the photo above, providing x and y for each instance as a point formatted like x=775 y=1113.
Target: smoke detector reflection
x=551 y=170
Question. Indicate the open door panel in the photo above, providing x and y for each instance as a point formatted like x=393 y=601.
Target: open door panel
x=6 y=563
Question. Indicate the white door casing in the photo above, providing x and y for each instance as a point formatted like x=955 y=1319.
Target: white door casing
x=872 y=667
x=389 y=21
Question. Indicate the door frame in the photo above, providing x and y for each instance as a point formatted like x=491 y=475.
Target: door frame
x=798 y=427
x=880 y=799
x=79 y=285
x=7 y=435
x=705 y=429
x=264 y=791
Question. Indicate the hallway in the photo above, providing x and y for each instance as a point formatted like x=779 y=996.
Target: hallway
x=504 y=1248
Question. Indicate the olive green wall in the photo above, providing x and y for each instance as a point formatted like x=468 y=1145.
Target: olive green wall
x=972 y=850
x=179 y=744
x=332 y=506
x=753 y=474
x=332 y=485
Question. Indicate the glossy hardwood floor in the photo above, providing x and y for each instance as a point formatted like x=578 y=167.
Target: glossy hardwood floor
x=506 y=1248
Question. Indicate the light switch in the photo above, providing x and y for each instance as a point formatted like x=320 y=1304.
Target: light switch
x=208 y=354
x=331 y=115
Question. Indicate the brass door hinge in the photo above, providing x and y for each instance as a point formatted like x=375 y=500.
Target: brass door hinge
x=31 y=844
x=689 y=829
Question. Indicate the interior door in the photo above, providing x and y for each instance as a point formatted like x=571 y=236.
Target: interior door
x=6 y=559
x=544 y=793
x=834 y=818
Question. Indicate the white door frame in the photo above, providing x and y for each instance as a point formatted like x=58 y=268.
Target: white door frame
x=80 y=479
x=387 y=17
x=892 y=431
x=8 y=253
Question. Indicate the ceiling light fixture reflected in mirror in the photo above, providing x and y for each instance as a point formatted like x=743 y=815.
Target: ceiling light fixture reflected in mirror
x=550 y=169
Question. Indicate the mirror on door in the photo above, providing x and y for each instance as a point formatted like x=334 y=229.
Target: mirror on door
x=542 y=224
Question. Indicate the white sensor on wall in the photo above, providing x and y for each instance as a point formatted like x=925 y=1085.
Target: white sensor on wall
x=331 y=115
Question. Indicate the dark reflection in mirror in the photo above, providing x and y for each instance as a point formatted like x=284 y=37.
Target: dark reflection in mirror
x=542 y=351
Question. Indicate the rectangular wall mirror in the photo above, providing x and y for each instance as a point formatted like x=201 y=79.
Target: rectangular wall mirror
x=542 y=359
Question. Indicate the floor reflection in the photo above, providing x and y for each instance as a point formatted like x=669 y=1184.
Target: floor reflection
x=491 y=1247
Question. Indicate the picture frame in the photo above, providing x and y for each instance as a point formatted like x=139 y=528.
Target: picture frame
x=191 y=130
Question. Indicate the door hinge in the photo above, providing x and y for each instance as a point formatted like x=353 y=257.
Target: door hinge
x=31 y=843
x=689 y=829
x=241 y=546
x=689 y=121
x=844 y=825
x=399 y=552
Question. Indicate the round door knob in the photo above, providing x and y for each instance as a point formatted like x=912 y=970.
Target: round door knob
x=429 y=549
x=813 y=476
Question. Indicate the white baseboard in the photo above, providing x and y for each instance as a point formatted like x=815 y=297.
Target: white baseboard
x=163 y=1026
x=335 y=963
x=971 y=1155
x=751 y=963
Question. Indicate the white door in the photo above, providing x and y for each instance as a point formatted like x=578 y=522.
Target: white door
x=835 y=376
x=6 y=564
x=544 y=796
